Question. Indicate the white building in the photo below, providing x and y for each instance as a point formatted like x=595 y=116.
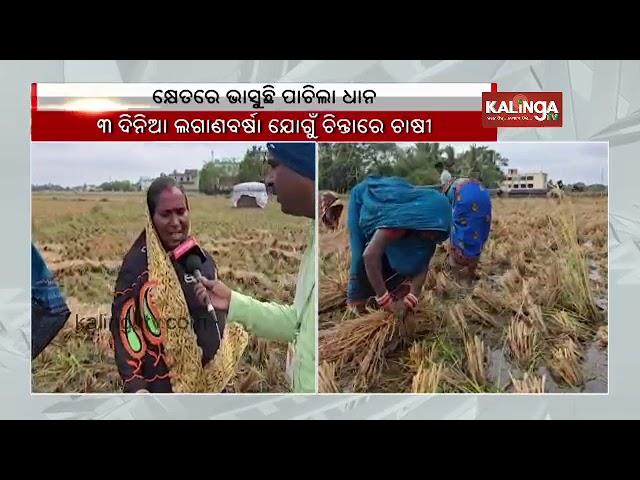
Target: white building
x=524 y=180
x=189 y=180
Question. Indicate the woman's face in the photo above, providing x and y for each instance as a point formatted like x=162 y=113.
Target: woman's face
x=171 y=218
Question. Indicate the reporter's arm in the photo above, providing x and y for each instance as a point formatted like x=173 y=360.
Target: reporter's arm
x=264 y=319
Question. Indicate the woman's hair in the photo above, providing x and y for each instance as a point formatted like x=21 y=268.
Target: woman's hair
x=159 y=185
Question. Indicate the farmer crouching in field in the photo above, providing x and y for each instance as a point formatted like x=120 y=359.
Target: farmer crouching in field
x=394 y=228
x=330 y=210
x=471 y=204
x=293 y=177
x=164 y=338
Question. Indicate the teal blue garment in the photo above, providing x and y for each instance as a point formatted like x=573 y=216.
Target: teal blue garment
x=49 y=310
x=392 y=202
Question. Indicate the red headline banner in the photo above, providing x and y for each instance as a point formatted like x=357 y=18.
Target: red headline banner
x=336 y=126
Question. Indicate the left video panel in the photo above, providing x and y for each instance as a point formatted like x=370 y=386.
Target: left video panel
x=173 y=267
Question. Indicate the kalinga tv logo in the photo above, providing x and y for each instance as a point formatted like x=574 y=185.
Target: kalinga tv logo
x=522 y=109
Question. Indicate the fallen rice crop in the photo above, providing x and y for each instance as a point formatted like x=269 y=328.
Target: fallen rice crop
x=535 y=299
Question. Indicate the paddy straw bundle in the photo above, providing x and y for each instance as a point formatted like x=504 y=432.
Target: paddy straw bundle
x=565 y=362
x=455 y=316
x=333 y=288
x=428 y=372
x=327 y=378
x=332 y=293
x=427 y=378
x=522 y=340
x=359 y=342
x=183 y=355
x=476 y=359
x=528 y=384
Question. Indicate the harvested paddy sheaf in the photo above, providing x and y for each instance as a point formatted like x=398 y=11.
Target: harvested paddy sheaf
x=84 y=239
x=526 y=324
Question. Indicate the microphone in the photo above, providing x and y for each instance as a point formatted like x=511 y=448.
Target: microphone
x=187 y=248
x=193 y=264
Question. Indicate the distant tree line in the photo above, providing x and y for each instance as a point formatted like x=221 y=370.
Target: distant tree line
x=116 y=186
x=49 y=187
x=219 y=176
x=119 y=186
x=343 y=165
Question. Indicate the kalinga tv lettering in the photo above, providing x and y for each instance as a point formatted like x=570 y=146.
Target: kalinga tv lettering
x=522 y=109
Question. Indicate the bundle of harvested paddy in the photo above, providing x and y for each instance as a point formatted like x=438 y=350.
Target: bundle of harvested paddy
x=476 y=359
x=327 y=378
x=496 y=302
x=427 y=378
x=475 y=311
x=550 y=287
x=526 y=309
x=522 y=340
x=562 y=322
x=333 y=294
x=333 y=287
x=359 y=342
x=455 y=316
x=565 y=362
x=528 y=384
x=428 y=373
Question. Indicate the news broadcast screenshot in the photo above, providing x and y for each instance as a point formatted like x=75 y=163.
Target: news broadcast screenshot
x=313 y=240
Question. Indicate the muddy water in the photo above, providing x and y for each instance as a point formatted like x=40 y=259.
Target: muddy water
x=595 y=369
x=594 y=372
x=594 y=273
x=499 y=367
x=601 y=300
x=551 y=386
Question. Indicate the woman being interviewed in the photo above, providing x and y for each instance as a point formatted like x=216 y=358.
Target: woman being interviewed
x=164 y=338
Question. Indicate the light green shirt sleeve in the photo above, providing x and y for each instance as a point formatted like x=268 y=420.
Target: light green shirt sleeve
x=294 y=323
x=264 y=319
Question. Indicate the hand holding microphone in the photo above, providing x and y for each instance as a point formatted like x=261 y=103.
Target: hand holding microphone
x=211 y=293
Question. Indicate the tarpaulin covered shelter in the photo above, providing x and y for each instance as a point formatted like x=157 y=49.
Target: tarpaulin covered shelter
x=250 y=194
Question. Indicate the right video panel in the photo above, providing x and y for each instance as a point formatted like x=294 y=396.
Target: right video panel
x=463 y=268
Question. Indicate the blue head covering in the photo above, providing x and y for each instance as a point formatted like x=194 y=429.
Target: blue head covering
x=299 y=157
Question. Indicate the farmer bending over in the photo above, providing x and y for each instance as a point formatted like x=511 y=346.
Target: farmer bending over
x=394 y=228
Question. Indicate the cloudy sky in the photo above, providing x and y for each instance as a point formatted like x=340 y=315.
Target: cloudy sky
x=570 y=162
x=70 y=164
